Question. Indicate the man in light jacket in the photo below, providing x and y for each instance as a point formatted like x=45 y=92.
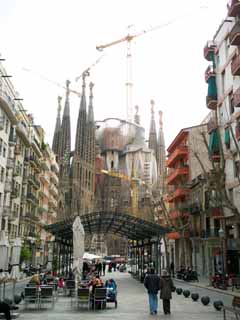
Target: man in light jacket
x=152 y=284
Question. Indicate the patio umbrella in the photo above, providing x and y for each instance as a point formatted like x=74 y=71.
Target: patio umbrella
x=90 y=256
x=78 y=245
x=4 y=254
x=15 y=261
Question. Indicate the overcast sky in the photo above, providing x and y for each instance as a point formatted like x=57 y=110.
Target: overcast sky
x=56 y=40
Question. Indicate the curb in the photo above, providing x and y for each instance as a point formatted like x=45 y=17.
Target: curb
x=232 y=293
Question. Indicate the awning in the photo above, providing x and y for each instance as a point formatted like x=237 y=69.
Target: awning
x=212 y=88
x=121 y=224
x=213 y=143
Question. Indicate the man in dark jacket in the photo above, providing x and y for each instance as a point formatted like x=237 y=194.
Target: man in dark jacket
x=5 y=309
x=152 y=284
x=166 y=287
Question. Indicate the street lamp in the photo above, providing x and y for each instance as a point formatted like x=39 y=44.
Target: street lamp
x=221 y=234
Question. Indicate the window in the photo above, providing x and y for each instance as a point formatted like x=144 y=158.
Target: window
x=223 y=82
x=1 y=146
x=4 y=151
x=6 y=125
x=2 y=174
x=231 y=195
x=231 y=104
x=236 y=168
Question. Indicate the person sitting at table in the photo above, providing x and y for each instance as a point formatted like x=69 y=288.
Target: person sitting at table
x=111 y=289
x=35 y=280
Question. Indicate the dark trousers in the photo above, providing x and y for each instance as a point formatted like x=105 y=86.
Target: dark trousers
x=4 y=308
x=166 y=306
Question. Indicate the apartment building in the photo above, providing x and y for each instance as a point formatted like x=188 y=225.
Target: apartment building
x=223 y=99
x=28 y=175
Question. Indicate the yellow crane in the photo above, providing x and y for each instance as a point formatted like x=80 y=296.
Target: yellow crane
x=128 y=38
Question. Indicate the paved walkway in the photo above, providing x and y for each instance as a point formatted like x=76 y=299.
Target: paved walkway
x=132 y=305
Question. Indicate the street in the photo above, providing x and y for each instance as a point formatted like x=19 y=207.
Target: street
x=132 y=304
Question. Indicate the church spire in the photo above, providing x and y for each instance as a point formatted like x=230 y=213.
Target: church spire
x=82 y=119
x=162 y=154
x=137 y=117
x=90 y=106
x=56 y=137
x=65 y=146
x=152 y=142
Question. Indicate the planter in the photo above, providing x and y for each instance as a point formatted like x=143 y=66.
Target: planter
x=218 y=305
x=186 y=293
x=205 y=300
x=179 y=291
x=195 y=296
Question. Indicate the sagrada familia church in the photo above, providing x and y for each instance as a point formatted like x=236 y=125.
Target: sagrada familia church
x=111 y=166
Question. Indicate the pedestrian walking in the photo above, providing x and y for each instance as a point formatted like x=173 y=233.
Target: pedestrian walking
x=104 y=267
x=172 y=269
x=152 y=284
x=166 y=287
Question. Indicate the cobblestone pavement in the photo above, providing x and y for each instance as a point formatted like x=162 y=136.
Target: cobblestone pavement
x=132 y=305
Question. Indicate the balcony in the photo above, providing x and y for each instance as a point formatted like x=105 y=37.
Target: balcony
x=179 y=153
x=179 y=172
x=32 y=179
x=210 y=72
x=17 y=172
x=23 y=133
x=17 y=150
x=15 y=193
x=211 y=99
x=55 y=167
x=2 y=123
x=32 y=198
x=8 y=186
x=179 y=194
x=13 y=216
x=44 y=178
x=209 y=51
x=234 y=36
x=211 y=125
x=174 y=214
x=173 y=235
x=236 y=98
x=6 y=211
x=54 y=178
x=237 y=131
x=12 y=139
x=44 y=165
x=41 y=210
x=10 y=163
x=217 y=212
x=31 y=216
x=209 y=233
x=233 y=8
x=53 y=190
x=235 y=66
x=8 y=106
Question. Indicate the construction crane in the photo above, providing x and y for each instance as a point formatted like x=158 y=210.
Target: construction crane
x=85 y=73
x=128 y=38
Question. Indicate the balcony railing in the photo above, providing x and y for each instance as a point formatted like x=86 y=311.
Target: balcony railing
x=8 y=105
x=211 y=125
x=234 y=35
x=31 y=216
x=179 y=193
x=212 y=94
x=10 y=163
x=31 y=197
x=23 y=132
x=235 y=66
x=209 y=233
x=209 y=50
x=237 y=131
x=8 y=186
x=236 y=98
x=178 y=153
x=233 y=8
x=6 y=211
x=179 y=172
x=210 y=72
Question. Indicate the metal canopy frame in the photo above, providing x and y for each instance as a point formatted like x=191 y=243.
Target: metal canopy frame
x=121 y=224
